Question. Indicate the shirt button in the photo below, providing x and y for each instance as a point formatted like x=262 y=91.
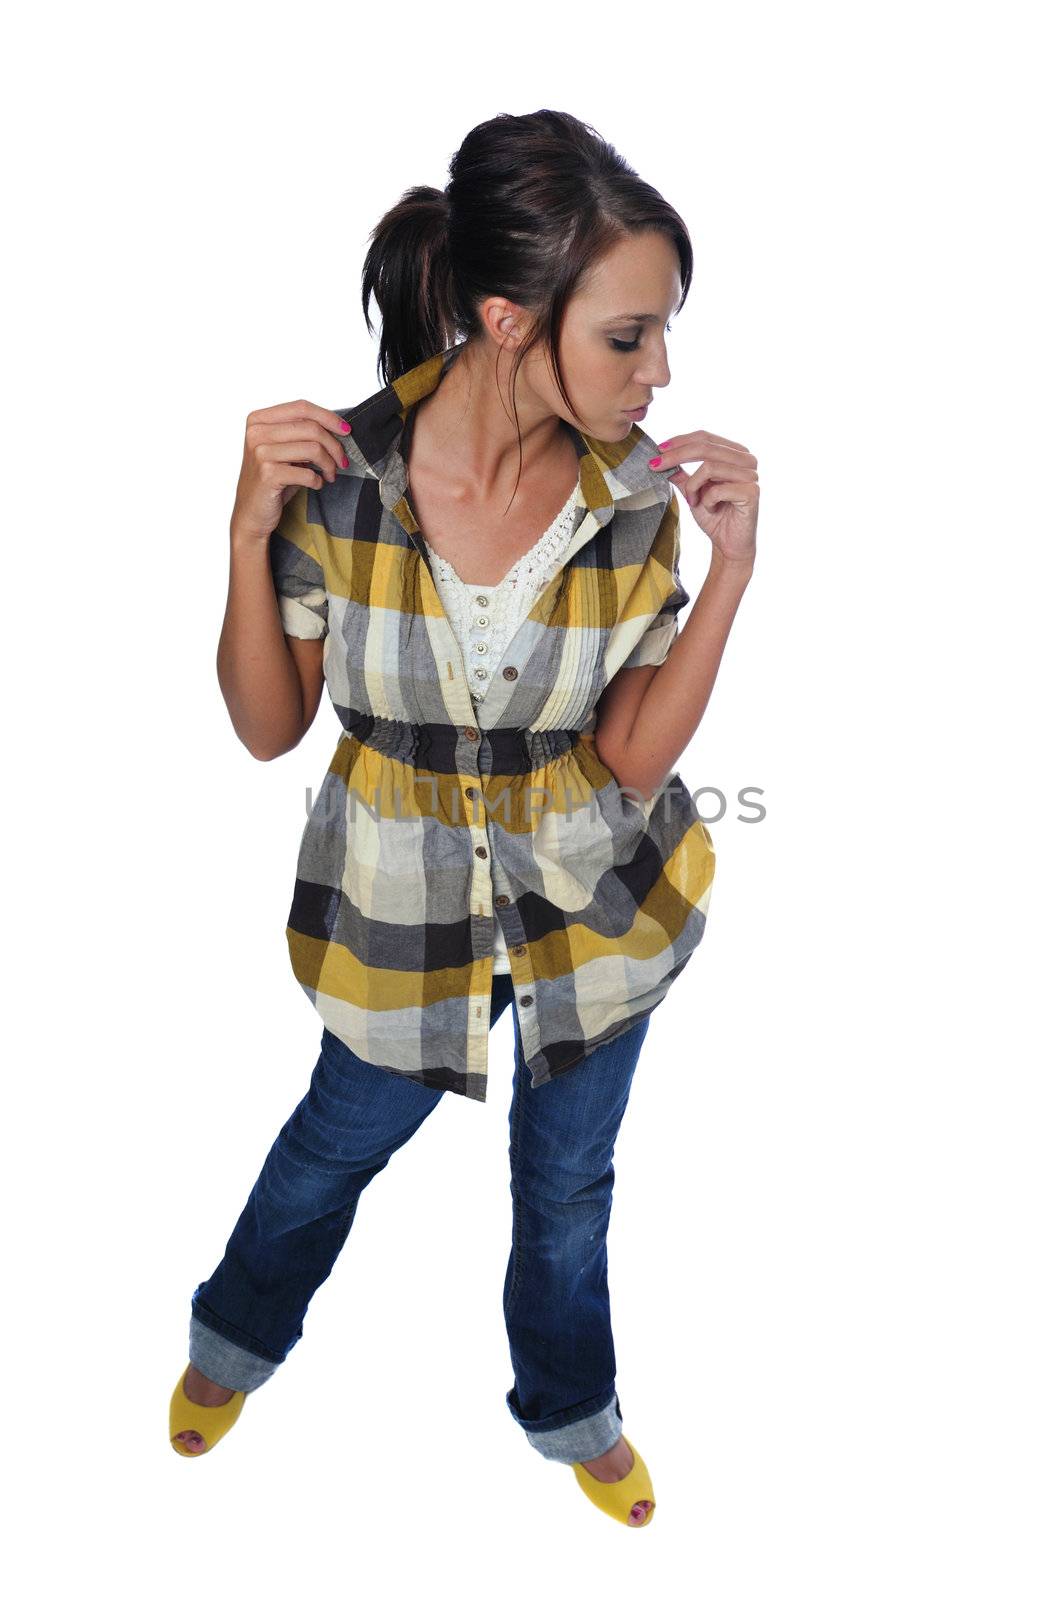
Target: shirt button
x=501 y=899
x=471 y=733
x=483 y=622
x=481 y=672
x=471 y=793
x=519 y=949
x=525 y=999
x=482 y=600
x=480 y=850
x=481 y=647
x=509 y=672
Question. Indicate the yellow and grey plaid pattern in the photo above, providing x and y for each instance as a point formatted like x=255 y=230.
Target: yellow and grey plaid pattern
x=437 y=816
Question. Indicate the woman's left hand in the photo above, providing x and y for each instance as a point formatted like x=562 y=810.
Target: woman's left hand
x=723 y=494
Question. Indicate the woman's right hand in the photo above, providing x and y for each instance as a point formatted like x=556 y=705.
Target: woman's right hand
x=286 y=448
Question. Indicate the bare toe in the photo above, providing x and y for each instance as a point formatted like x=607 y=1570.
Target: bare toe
x=190 y=1439
x=639 y=1512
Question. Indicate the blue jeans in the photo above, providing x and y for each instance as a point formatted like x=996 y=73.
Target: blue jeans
x=248 y=1315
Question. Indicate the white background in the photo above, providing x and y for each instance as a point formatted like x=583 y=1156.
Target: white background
x=834 y=1250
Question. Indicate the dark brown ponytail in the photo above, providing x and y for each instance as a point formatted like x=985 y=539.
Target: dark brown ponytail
x=407 y=271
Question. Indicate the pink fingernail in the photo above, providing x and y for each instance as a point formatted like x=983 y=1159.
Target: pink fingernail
x=655 y=461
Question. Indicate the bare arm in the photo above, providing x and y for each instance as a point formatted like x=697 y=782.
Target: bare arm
x=648 y=715
x=270 y=678
x=271 y=682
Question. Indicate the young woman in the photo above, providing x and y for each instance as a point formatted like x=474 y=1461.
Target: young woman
x=481 y=560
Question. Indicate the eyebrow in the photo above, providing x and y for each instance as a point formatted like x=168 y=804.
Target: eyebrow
x=633 y=316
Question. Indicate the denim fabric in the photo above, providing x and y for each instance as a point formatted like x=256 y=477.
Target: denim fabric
x=249 y=1314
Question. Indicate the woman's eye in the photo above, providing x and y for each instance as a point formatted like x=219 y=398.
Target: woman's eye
x=633 y=344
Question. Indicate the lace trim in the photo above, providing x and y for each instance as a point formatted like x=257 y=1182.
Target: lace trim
x=508 y=601
x=537 y=559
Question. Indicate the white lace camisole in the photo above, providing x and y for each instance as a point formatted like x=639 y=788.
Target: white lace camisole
x=486 y=616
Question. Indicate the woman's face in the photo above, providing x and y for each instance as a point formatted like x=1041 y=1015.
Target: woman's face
x=613 y=363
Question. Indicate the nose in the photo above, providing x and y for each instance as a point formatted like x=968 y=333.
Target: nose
x=655 y=373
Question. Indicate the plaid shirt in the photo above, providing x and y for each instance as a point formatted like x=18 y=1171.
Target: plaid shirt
x=437 y=816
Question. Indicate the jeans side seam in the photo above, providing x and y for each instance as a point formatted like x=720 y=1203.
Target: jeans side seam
x=518 y=1206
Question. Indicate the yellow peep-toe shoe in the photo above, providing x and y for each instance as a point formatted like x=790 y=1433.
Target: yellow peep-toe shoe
x=210 y=1421
x=617 y=1499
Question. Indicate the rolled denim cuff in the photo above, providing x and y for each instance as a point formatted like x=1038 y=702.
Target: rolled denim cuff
x=224 y=1362
x=579 y=1441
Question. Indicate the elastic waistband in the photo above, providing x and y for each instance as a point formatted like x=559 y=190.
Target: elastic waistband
x=435 y=745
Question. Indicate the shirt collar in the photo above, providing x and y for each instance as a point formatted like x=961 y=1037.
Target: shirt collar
x=609 y=471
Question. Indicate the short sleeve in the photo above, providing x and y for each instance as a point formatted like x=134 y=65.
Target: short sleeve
x=662 y=574
x=298 y=576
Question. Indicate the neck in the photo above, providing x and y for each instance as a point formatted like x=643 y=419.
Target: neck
x=466 y=421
